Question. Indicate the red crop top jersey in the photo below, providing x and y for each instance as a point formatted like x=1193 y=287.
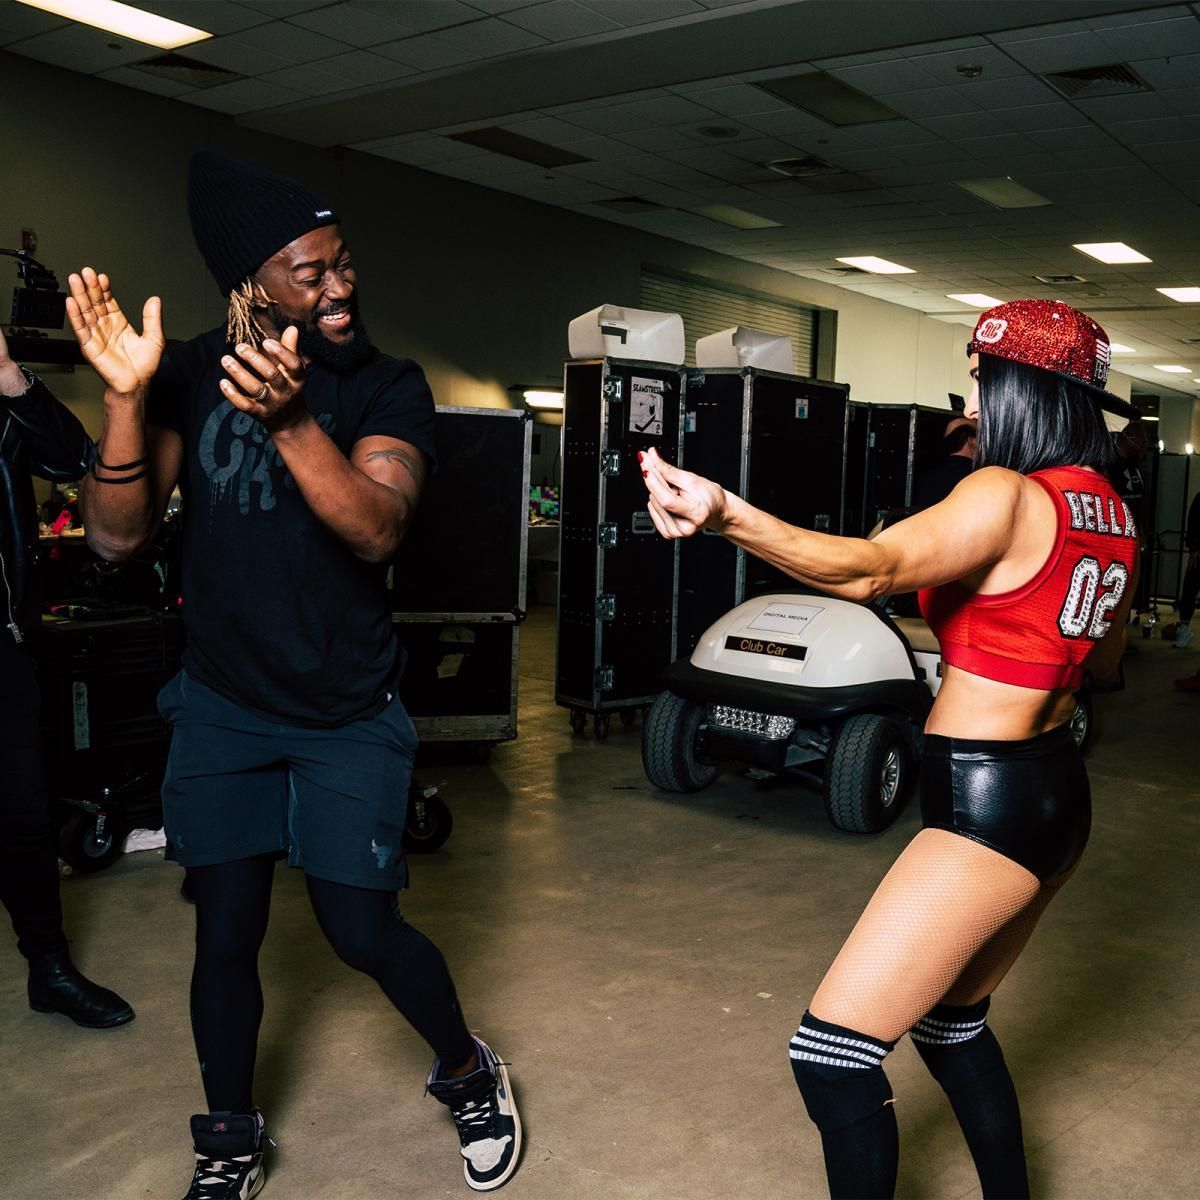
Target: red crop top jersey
x=1039 y=634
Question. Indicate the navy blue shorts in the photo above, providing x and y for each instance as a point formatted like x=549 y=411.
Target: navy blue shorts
x=333 y=800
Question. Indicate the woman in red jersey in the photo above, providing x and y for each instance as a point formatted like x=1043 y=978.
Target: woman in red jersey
x=1026 y=575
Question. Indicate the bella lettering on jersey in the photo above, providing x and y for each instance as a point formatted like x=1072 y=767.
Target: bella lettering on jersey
x=1088 y=513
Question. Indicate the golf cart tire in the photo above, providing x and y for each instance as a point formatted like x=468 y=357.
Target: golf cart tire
x=669 y=745
x=854 y=774
x=1081 y=722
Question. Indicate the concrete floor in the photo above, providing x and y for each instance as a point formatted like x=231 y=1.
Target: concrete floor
x=642 y=960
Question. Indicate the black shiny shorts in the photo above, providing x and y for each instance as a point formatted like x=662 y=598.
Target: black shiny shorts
x=1029 y=800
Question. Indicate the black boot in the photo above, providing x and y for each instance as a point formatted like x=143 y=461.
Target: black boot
x=55 y=985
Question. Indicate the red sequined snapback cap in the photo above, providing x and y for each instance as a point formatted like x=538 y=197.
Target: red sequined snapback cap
x=1053 y=336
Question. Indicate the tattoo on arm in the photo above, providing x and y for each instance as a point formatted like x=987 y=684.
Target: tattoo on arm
x=410 y=461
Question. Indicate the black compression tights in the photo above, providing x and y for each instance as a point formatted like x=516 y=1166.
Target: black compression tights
x=365 y=929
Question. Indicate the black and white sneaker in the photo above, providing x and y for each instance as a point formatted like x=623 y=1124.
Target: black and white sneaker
x=229 y=1156
x=489 y=1129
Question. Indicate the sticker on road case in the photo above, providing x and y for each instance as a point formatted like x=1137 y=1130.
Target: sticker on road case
x=647 y=400
x=749 y=645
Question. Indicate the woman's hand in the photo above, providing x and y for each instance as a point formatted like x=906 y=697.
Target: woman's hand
x=681 y=503
x=123 y=358
x=273 y=392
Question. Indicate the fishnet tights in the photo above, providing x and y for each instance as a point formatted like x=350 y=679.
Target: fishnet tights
x=948 y=916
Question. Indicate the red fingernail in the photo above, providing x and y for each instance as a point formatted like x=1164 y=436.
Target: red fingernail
x=647 y=474
x=641 y=455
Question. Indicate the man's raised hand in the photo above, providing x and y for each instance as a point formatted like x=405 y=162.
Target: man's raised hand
x=123 y=358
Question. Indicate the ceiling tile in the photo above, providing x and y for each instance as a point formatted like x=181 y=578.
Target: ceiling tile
x=562 y=20
x=19 y=21
x=359 y=24
x=1179 y=70
x=82 y=48
x=932 y=102
x=655 y=141
x=1015 y=91
x=1161 y=129
x=490 y=37
x=550 y=130
x=1059 y=115
x=341 y=73
x=1184 y=101
x=144 y=81
x=942 y=64
x=213 y=16
x=1148 y=38
x=737 y=100
x=234 y=55
x=284 y=40
x=419 y=152
x=496 y=8
x=429 y=52
x=1064 y=53
x=283 y=8
x=244 y=95
x=880 y=78
x=620 y=118
x=1139 y=106
x=642 y=12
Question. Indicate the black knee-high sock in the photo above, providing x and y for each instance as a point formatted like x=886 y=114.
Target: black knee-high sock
x=840 y=1075
x=368 y=933
x=963 y=1055
x=233 y=902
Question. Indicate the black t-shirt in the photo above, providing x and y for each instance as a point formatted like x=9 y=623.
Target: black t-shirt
x=282 y=618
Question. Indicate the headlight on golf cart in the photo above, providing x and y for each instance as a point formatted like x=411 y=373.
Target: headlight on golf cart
x=745 y=720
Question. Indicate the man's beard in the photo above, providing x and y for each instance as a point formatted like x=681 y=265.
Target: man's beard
x=341 y=357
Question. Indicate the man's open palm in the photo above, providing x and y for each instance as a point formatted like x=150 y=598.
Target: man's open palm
x=124 y=359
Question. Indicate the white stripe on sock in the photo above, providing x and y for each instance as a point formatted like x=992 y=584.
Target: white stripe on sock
x=833 y=1062
x=870 y=1060
x=881 y=1051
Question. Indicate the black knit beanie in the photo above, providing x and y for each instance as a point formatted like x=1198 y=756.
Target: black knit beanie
x=241 y=215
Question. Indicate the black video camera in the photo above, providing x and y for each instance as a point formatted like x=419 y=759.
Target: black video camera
x=39 y=304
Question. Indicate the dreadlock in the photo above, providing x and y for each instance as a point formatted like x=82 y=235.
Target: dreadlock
x=241 y=325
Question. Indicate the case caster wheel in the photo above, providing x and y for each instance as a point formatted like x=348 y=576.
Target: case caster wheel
x=578 y=720
x=628 y=717
x=428 y=824
x=600 y=723
x=90 y=841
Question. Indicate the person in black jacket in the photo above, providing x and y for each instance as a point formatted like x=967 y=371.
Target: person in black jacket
x=1184 y=635
x=38 y=435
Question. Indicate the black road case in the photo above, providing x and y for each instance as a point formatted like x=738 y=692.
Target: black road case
x=617 y=576
x=777 y=440
x=458 y=582
x=104 y=745
x=896 y=444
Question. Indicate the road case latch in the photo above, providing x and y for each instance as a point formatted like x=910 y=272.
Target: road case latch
x=607 y=535
x=606 y=607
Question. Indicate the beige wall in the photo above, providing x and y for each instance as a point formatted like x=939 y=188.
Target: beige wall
x=475 y=284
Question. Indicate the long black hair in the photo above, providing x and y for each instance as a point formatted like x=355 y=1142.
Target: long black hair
x=1031 y=419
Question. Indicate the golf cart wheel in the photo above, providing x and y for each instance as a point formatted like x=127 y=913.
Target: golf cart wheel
x=1081 y=722
x=89 y=842
x=866 y=774
x=669 y=745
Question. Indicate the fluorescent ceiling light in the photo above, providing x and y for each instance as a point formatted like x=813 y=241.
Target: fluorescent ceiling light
x=1144 y=417
x=827 y=97
x=1185 y=295
x=539 y=399
x=879 y=266
x=1117 y=348
x=1172 y=369
x=515 y=145
x=1111 y=252
x=1003 y=192
x=1188 y=448
x=739 y=218
x=974 y=299
x=124 y=20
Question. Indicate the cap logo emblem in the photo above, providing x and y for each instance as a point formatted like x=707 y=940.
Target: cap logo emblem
x=324 y=212
x=991 y=330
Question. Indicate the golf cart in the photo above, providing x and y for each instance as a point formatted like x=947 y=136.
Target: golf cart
x=809 y=685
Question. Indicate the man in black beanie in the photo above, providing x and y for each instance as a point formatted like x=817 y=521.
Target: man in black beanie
x=300 y=451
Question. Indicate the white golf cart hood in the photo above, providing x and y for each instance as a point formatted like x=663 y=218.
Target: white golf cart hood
x=810 y=641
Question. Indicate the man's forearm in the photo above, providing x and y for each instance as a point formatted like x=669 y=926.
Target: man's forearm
x=119 y=517
x=368 y=516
